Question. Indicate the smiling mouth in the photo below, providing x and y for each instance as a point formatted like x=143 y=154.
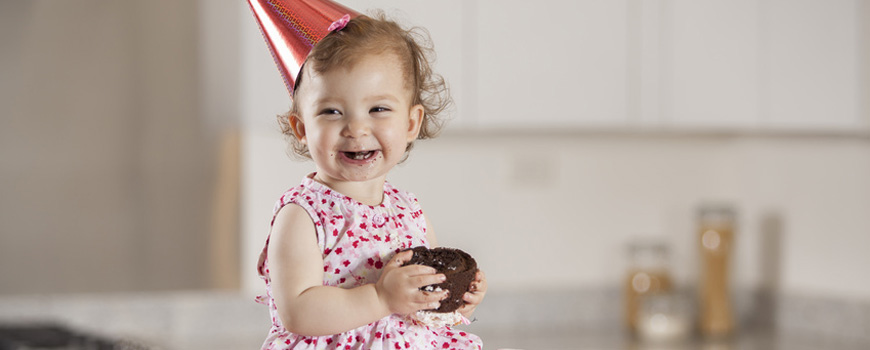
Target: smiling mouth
x=364 y=155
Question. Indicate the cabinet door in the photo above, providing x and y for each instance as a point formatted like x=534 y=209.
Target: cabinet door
x=710 y=66
x=762 y=65
x=811 y=64
x=549 y=64
x=443 y=20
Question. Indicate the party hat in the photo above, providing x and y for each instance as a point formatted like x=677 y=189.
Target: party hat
x=292 y=27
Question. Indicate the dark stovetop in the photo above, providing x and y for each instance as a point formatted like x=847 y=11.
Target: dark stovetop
x=54 y=336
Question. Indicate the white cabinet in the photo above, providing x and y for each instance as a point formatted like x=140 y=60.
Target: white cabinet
x=711 y=63
x=698 y=65
x=550 y=64
x=761 y=65
x=812 y=77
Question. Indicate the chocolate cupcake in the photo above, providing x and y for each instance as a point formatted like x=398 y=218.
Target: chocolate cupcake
x=459 y=267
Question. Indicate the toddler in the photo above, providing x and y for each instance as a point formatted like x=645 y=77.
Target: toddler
x=333 y=260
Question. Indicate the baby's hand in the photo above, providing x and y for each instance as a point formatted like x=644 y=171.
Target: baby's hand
x=399 y=286
x=474 y=295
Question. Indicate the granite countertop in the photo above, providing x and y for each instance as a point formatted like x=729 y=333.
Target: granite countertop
x=160 y=320
x=606 y=340
x=548 y=320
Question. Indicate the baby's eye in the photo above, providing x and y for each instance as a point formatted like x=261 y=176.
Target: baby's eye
x=329 y=112
x=379 y=109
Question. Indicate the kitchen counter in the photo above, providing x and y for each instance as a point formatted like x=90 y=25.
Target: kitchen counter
x=550 y=320
x=161 y=320
x=612 y=340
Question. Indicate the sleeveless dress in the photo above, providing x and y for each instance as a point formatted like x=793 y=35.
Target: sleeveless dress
x=357 y=240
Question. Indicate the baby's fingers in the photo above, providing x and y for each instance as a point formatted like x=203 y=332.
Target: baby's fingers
x=431 y=300
x=472 y=298
x=479 y=284
x=419 y=270
x=479 y=276
x=420 y=281
x=466 y=309
x=400 y=258
x=428 y=297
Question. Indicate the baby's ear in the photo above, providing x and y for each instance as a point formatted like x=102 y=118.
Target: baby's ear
x=298 y=127
x=415 y=122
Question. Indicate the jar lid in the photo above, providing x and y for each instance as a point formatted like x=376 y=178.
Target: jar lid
x=718 y=212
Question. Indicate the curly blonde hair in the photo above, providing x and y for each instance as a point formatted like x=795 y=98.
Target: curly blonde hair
x=368 y=35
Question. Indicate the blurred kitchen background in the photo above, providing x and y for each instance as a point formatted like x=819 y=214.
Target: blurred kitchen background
x=140 y=160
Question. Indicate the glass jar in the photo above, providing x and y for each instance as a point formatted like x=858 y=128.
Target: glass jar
x=664 y=318
x=715 y=240
x=648 y=274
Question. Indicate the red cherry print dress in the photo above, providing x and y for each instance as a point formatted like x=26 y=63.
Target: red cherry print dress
x=356 y=241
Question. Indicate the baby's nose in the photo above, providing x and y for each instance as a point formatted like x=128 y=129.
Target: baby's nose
x=357 y=127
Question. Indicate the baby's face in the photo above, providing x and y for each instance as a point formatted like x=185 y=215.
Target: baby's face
x=357 y=121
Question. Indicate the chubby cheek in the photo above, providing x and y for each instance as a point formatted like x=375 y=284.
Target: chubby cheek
x=396 y=148
x=320 y=157
x=319 y=147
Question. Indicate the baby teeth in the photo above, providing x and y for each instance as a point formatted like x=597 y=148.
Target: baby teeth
x=360 y=155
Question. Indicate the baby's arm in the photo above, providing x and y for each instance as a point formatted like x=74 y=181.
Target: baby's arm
x=430 y=235
x=307 y=307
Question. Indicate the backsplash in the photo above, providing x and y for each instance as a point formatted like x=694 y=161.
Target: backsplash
x=801 y=205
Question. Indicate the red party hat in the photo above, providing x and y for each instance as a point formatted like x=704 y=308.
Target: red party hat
x=292 y=27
